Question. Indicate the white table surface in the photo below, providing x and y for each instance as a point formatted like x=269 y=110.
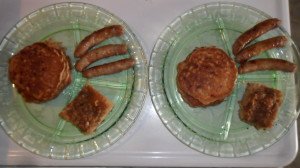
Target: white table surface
x=148 y=142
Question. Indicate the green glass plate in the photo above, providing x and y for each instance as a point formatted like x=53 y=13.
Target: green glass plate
x=37 y=127
x=217 y=130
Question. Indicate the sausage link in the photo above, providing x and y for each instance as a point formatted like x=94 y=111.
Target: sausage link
x=109 y=68
x=267 y=64
x=97 y=37
x=99 y=53
x=253 y=33
x=260 y=47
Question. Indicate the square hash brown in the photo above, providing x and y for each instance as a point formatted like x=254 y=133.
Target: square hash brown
x=259 y=105
x=87 y=110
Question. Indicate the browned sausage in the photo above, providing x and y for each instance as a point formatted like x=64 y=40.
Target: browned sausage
x=109 y=68
x=97 y=37
x=260 y=47
x=267 y=64
x=253 y=33
x=99 y=53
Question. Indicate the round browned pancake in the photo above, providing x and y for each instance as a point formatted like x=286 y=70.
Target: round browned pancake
x=206 y=77
x=40 y=71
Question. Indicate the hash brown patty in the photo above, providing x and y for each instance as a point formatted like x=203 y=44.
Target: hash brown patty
x=259 y=105
x=87 y=110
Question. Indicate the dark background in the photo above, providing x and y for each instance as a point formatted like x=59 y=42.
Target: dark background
x=295 y=28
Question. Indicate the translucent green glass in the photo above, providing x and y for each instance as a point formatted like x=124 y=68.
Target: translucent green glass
x=37 y=127
x=217 y=130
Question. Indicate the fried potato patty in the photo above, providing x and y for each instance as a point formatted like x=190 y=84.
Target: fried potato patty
x=87 y=110
x=259 y=105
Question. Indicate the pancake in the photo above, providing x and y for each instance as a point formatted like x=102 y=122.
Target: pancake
x=40 y=71
x=259 y=105
x=206 y=77
x=87 y=110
